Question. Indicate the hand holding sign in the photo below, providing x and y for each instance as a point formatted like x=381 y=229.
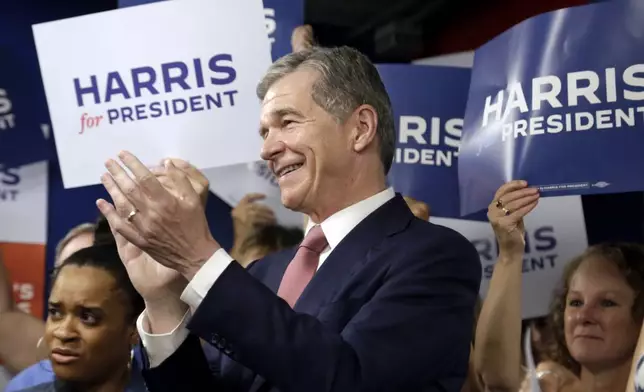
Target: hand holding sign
x=511 y=203
x=170 y=226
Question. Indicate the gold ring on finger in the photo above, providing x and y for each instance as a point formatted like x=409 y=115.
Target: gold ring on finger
x=499 y=204
x=505 y=211
x=132 y=215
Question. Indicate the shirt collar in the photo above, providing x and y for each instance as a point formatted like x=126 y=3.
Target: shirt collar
x=338 y=225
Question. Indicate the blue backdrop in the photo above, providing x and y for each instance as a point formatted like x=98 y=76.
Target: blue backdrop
x=23 y=110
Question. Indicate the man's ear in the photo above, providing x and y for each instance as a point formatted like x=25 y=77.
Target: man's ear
x=366 y=125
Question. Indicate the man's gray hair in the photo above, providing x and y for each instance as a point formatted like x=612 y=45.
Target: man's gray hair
x=83 y=228
x=347 y=80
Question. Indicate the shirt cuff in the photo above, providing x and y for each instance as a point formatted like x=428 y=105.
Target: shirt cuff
x=160 y=347
x=203 y=280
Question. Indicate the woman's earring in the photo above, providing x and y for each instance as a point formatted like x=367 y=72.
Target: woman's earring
x=129 y=365
x=39 y=342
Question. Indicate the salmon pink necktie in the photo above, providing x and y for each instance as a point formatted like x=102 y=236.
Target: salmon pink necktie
x=301 y=269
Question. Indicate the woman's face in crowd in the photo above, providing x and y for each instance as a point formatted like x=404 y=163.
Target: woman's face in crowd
x=87 y=329
x=599 y=325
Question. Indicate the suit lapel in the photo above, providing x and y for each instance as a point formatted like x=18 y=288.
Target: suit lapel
x=349 y=256
x=352 y=253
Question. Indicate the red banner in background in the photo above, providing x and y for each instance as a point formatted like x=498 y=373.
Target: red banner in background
x=25 y=264
x=23 y=233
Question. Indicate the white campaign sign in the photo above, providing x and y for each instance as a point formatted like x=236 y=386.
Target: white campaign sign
x=23 y=204
x=232 y=183
x=173 y=78
x=556 y=232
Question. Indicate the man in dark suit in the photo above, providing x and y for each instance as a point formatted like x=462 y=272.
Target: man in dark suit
x=374 y=299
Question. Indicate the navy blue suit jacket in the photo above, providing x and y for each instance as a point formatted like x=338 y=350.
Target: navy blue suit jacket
x=391 y=309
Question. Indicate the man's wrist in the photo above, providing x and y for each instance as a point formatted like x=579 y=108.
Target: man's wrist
x=189 y=270
x=163 y=315
x=510 y=257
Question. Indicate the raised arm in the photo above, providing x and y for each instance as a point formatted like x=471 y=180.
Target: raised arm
x=497 y=356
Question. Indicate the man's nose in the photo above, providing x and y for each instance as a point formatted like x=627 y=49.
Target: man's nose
x=272 y=146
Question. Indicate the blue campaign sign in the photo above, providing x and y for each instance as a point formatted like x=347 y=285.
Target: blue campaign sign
x=21 y=80
x=281 y=17
x=428 y=103
x=23 y=111
x=557 y=101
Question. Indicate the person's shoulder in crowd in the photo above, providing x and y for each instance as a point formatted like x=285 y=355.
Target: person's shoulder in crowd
x=260 y=267
x=40 y=376
x=56 y=386
x=279 y=255
x=43 y=387
x=422 y=235
x=34 y=375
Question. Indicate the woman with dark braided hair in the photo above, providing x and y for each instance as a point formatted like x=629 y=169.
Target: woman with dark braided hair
x=91 y=325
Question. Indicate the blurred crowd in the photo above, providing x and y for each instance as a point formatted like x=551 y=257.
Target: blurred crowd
x=407 y=316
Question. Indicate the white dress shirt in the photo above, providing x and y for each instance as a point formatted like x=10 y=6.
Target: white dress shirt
x=160 y=346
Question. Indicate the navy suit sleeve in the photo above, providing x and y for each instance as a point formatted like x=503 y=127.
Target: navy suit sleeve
x=414 y=334
x=186 y=370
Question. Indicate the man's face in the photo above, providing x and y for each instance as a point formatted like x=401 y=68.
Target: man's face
x=307 y=149
x=81 y=241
